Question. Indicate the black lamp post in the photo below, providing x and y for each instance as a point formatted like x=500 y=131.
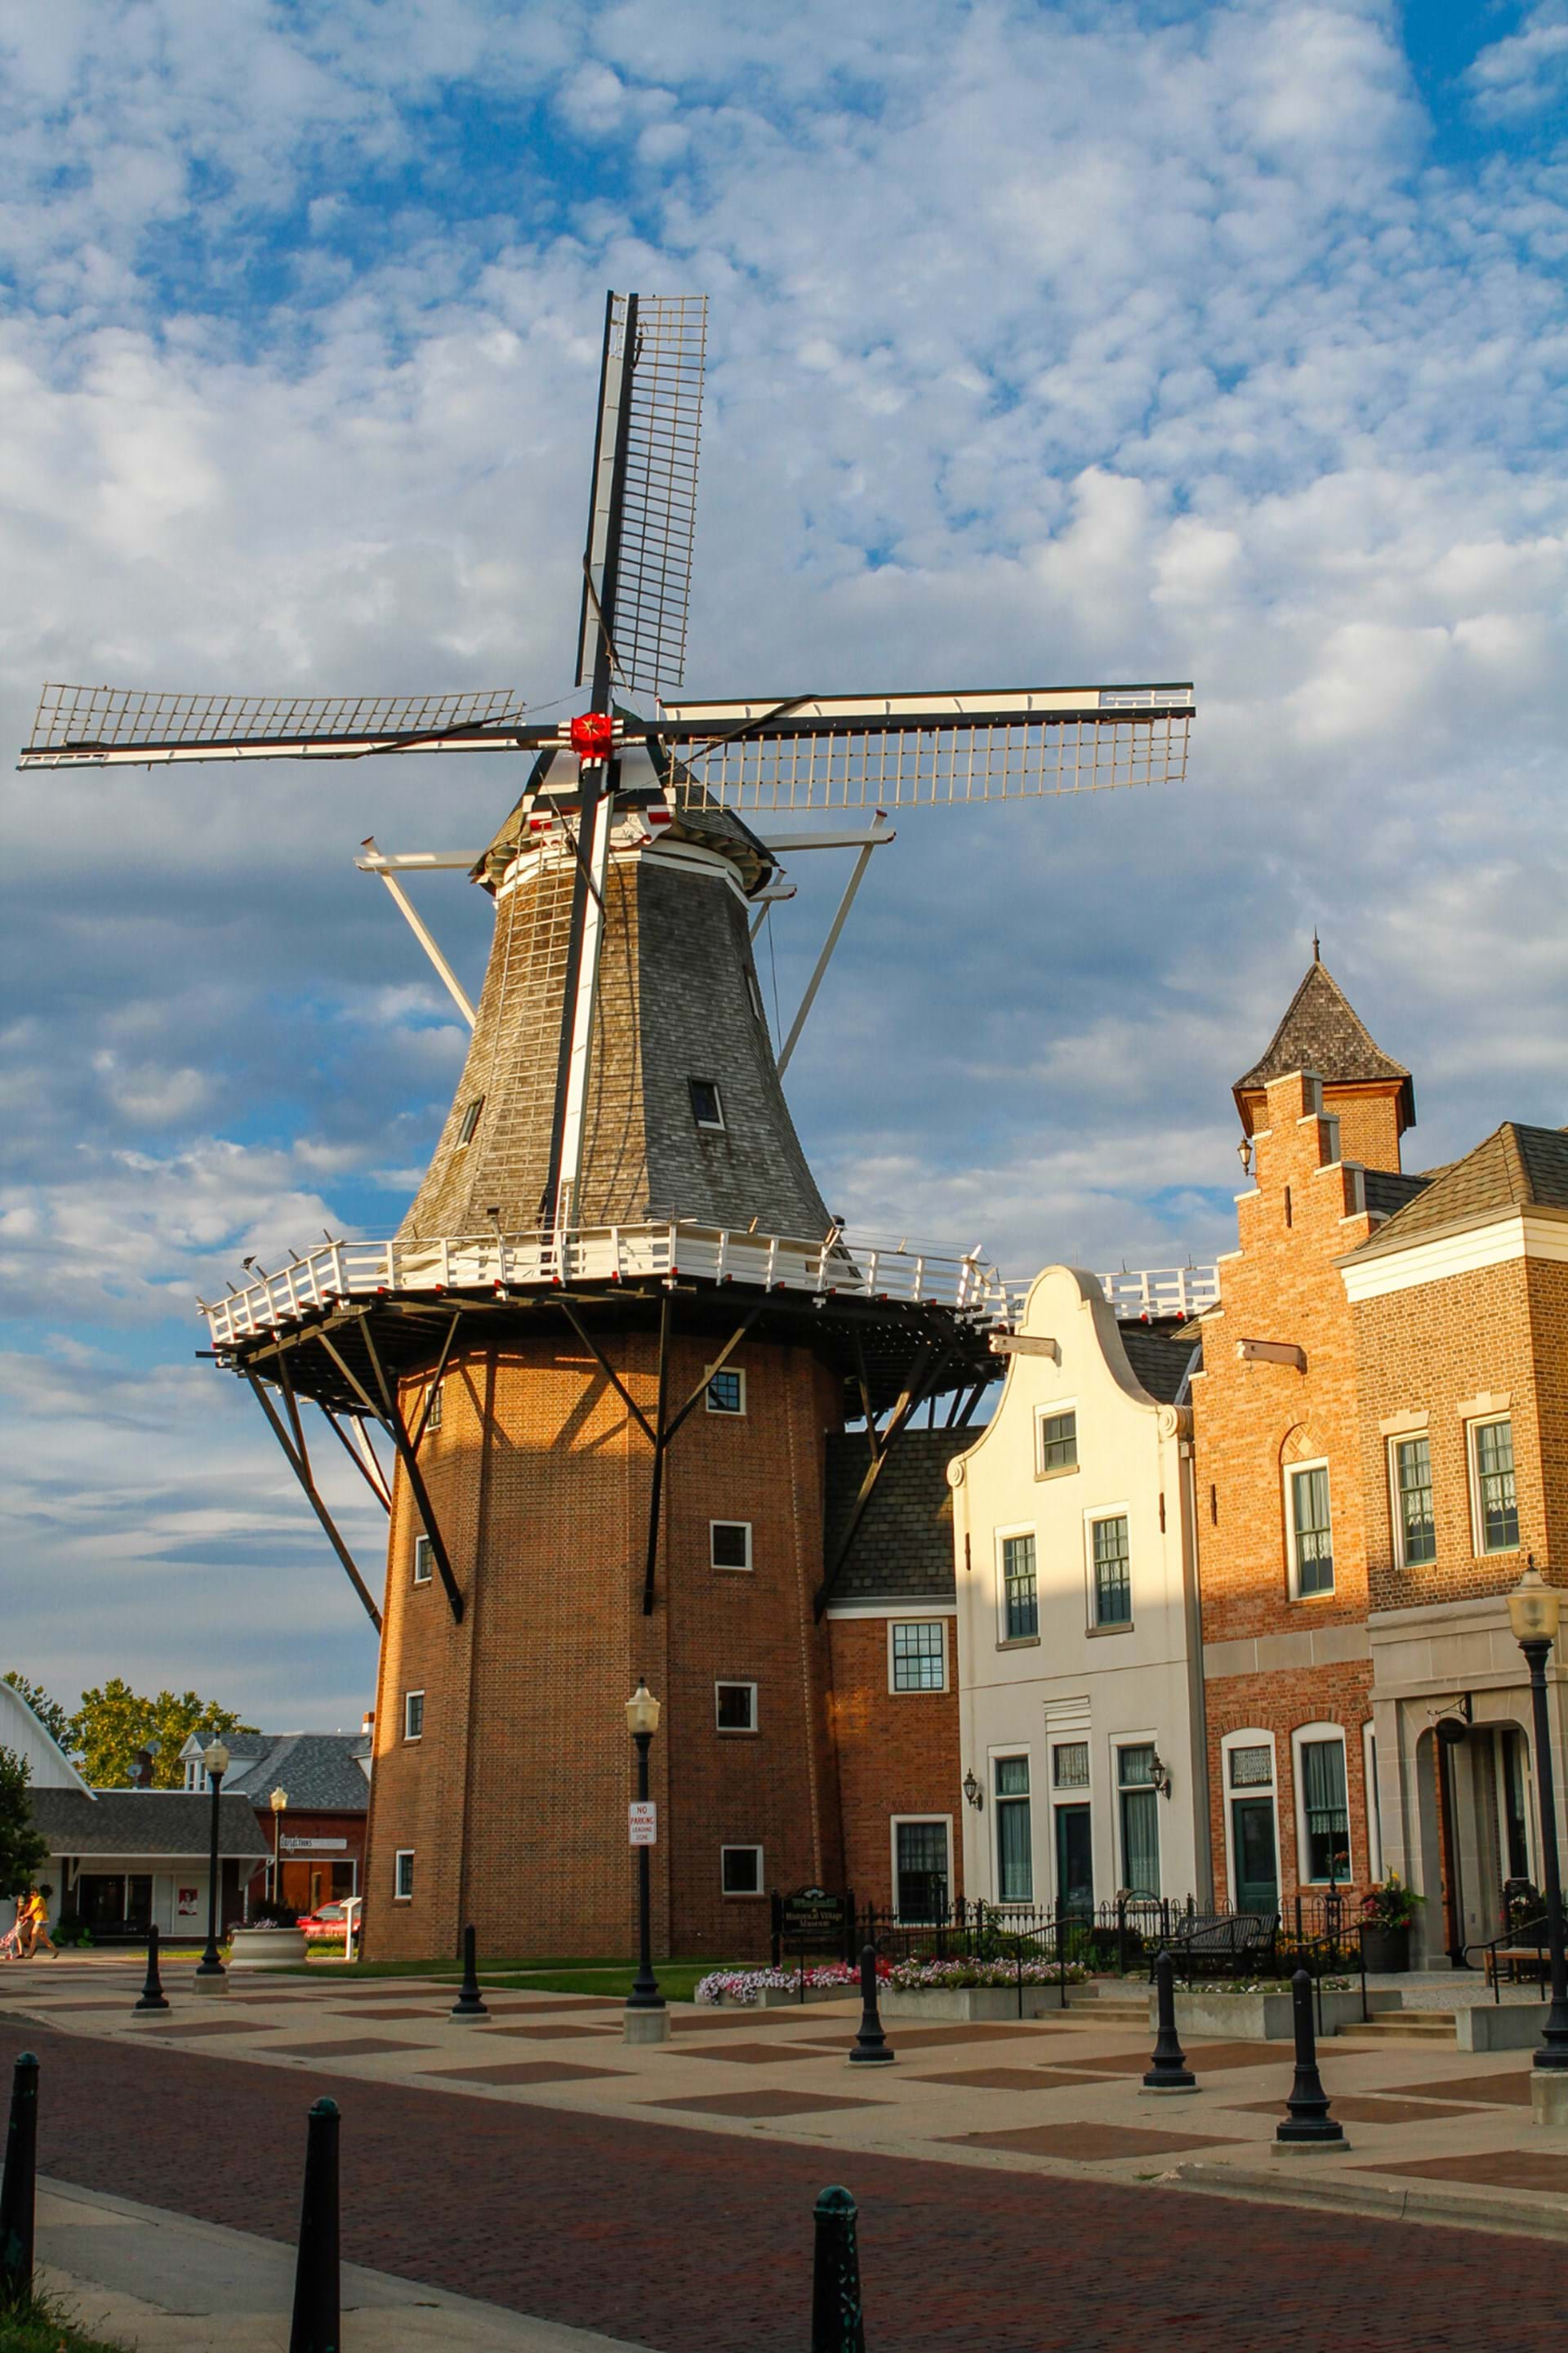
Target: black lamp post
x=215 y=1764
x=642 y=1723
x=1534 y=1609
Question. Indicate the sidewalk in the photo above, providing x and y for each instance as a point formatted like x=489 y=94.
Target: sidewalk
x=160 y=2283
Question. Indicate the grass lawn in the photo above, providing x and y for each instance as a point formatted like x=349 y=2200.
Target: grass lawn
x=39 y=2330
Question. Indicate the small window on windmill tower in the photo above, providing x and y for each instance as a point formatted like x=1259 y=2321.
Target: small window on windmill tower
x=470 y=1120
x=755 y=993
x=706 y=1105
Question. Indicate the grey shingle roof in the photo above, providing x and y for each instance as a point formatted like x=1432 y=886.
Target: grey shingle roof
x=144 y=1822
x=1388 y=1189
x=1322 y=1031
x=1160 y=1359
x=903 y=1547
x=1514 y=1167
x=317 y=1769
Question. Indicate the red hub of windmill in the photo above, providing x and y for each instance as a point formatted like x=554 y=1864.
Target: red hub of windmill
x=593 y=735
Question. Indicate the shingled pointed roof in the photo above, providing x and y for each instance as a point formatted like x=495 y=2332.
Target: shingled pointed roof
x=1322 y=1031
x=1514 y=1168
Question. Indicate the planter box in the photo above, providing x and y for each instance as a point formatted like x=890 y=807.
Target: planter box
x=776 y=1997
x=1386 y=1951
x=1264 y=2016
x=1502 y=2026
x=973 y=2003
x=268 y=1948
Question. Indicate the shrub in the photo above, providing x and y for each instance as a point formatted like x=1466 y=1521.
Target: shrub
x=71 y=1929
x=1390 y=1903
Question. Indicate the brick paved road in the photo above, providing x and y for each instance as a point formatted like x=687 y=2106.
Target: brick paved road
x=697 y=2242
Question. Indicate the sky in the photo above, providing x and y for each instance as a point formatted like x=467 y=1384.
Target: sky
x=1084 y=340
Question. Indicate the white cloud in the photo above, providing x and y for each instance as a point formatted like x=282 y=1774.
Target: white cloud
x=1527 y=71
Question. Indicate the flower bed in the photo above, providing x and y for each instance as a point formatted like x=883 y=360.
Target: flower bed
x=953 y=1976
x=764 y=1988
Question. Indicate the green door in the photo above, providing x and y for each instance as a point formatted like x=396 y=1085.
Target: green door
x=1256 y=1867
x=1075 y=1860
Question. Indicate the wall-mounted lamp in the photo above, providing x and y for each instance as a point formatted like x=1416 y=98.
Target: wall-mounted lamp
x=974 y=1794
x=1160 y=1774
x=1244 y=1154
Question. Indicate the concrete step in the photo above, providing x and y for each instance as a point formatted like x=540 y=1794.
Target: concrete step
x=1406 y=2026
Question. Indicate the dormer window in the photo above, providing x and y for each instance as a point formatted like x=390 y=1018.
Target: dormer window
x=470 y=1120
x=707 y=1103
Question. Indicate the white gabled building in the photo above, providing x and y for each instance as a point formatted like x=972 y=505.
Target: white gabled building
x=1080 y=1650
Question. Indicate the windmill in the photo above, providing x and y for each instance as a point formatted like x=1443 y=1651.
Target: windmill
x=618 y=1239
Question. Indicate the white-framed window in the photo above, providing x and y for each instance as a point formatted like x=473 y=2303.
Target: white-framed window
x=1494 y=1501
x=728 y=1544
x=727 y=1390
x=1251 y=1801
x=1373 y=1815
x=1308 y=1530
x=922 y=1865
x=1138 y=1816
x=470 y=1120
x=403 y=1875
x=735 y=1707
x=1322 y=1806
x=424 y=1560
x=755 y=993
x=1018 y=1585
x=414 y=1715
x=707 y=1103
x=1015 y=1838
x=1070 y=1765
x=1110 y=1571
x=1410 y=1491
x=433 y=1409
x=1056 y=1440
x=740 y=1871
x=917 y=1655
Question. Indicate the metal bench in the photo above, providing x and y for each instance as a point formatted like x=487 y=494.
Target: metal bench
x=1231 y=1943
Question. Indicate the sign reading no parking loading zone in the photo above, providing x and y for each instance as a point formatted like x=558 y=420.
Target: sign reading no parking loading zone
x=642 y=1817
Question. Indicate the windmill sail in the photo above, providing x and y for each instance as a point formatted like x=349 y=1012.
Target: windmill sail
x=99 y=726
x=642 y=514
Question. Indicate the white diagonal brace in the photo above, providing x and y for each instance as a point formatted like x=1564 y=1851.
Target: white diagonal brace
x=873 y=839
x=454 y=987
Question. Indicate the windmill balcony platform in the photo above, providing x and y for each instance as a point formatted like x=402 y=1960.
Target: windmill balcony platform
x=843 y=1267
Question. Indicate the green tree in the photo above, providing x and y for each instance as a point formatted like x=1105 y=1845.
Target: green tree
x=113 y=1722
x=49 y=1712
x=23 y=1854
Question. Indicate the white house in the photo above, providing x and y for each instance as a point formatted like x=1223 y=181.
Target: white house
x=1081 y=1699
x=20 y=1730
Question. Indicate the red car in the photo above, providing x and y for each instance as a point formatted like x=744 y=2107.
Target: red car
x=339 y=1921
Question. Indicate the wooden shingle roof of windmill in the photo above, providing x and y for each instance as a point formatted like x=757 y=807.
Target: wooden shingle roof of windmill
x=1322 y=1031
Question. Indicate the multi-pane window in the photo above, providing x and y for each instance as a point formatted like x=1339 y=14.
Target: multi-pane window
x=1413 y=1501
x=920 y=1655
x=726 y=1391
x=470 y=1120
x=1112 y=1573
x=707 y=1103
x=735 y=1706
x=922 y=1870
x=1058 y=1441
x=1497 y=1506
x=433 y=1411
x=423 y=1560
x=1312 y=1545
x=1020 y=1599
x=403 y=1873
x=1070 y=1765
x=1015 y=1858
x=1325 y=1810
x=741 y=1870
x=1140 y=1807
x=413 y=1715
x=730 y=1543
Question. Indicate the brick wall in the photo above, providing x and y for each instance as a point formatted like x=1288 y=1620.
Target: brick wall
x=897 y=1753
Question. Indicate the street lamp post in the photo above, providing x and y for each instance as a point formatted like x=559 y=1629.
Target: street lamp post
x=642 y=1723
x=209 y=1968
x=280 y=1800
x=1535 y=1609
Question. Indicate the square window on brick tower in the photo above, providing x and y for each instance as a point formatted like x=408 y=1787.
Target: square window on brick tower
x=707 y=1103
x=1415 y=1526
x=735 y=1707
x=730 y=1543
x=920 y=1655
x=741 y=1870
x=727 y=1390
x=1497 y=1504
x=1312 y=1531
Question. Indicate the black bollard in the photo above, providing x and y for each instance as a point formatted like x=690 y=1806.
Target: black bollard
x=18 y=2189
x=1169 y=2071
x=870 y=2044
x=152 y=1994
x=1307 y=2123
x=468 y=2003
x=837 y=2322
x=317 y=2326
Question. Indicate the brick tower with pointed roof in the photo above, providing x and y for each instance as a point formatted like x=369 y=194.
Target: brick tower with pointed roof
x=1371 y=1094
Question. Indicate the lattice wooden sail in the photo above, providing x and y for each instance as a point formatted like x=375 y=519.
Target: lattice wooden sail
x=94 y=726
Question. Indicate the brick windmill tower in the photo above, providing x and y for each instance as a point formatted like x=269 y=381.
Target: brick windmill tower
x=604 y=1353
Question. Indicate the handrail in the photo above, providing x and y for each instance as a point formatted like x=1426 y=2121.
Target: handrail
x=1521 y=1935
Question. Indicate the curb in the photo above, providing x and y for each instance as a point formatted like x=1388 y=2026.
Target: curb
x=1467 y=2210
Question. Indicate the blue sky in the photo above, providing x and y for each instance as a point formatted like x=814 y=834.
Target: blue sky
x=1048 y=343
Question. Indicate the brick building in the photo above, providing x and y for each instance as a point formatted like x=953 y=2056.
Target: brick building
x=1282 y=1540
x=315 y=1841
x=1458 y=1308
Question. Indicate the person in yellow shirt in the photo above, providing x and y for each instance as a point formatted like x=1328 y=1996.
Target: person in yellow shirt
x=36 y=1913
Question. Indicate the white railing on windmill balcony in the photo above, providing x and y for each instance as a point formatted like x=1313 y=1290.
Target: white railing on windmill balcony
x=842 y=1265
